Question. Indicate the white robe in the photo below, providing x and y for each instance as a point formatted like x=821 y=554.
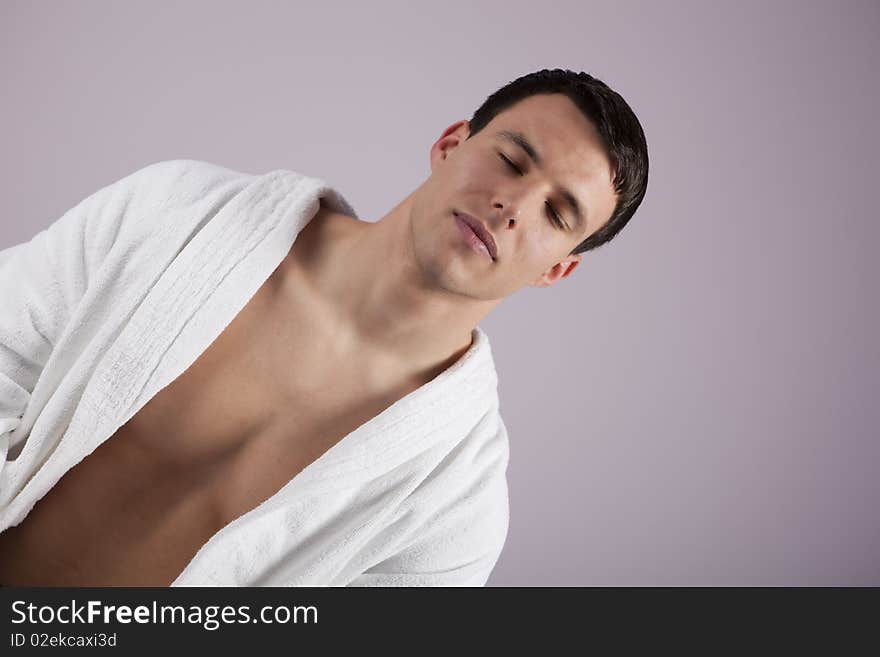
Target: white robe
x=121 y=295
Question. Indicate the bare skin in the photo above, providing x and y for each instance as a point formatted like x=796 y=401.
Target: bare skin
x=363 y=313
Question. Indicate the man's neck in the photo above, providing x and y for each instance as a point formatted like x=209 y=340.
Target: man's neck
x=364 y=278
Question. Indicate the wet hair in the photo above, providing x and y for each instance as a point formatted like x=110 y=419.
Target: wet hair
x=616 y=123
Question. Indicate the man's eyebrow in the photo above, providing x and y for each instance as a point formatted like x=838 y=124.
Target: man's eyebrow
x=520 y=140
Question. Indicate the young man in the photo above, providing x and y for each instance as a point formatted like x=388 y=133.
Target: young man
x=208 y=377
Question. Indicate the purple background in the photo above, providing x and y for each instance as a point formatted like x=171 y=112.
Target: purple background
x=693 y=405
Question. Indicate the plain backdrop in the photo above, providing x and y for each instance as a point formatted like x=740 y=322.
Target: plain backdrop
x=697 y=403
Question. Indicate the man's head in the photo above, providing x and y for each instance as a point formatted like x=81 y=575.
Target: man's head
x=535 y=149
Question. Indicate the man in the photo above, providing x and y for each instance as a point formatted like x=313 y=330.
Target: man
x=215 y=378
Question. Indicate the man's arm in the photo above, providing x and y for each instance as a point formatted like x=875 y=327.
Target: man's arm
x=43 y=280
x=459 y=548
x=459 y=542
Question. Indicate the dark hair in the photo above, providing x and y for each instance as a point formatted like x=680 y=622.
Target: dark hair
x=617 y=125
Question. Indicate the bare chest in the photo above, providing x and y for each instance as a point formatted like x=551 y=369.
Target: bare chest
x=246 y=417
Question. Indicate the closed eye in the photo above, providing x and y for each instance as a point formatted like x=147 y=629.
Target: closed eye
x=552 y=213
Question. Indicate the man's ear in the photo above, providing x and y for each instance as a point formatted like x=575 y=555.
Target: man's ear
x=558 y=271
x=451 y=138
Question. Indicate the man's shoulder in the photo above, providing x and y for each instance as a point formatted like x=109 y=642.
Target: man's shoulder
x=167 y=173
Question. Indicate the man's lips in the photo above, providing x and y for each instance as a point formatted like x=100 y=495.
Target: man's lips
x=480 y=231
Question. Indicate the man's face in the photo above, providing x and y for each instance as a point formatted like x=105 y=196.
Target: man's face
x=533 y=224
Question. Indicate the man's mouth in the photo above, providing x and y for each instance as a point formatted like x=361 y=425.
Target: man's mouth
x=476 y=233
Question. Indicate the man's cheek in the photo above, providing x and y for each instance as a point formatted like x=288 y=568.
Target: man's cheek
x=542 y=247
